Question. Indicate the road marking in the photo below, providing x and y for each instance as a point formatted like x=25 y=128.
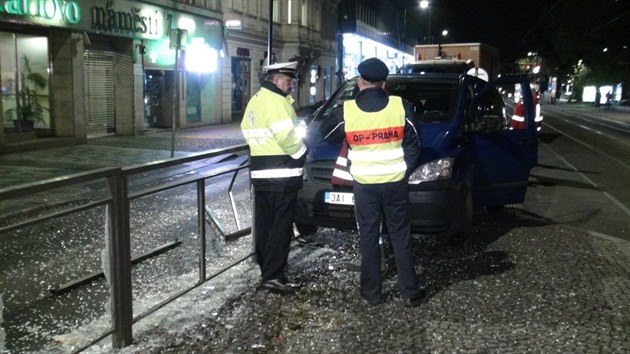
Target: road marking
x=589 y=146
x=613 y=199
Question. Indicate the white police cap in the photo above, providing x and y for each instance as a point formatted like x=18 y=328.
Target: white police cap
x=287 y=69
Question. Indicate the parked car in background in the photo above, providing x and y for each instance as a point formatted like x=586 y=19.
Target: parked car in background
x=470 y=158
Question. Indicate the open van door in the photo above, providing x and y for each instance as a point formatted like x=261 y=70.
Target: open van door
x=502 y=157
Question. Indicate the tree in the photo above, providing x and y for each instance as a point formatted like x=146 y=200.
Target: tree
x=596 y=33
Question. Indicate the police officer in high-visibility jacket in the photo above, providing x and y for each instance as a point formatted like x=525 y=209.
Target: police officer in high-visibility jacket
x=276 y=162
x=384 y=149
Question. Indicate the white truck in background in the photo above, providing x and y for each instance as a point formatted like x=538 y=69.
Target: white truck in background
x=475 y=55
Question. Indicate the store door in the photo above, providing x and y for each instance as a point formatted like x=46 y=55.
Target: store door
x=241 y=73
x=154 y=98
x=100 y=110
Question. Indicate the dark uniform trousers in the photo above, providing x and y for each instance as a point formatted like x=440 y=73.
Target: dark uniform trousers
x=393 y=200
x=275 y=213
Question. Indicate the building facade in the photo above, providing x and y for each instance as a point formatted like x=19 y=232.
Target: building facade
x=303 y=31
x=75 y=69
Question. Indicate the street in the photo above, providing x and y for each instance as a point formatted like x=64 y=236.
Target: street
x=548 y=275
x=597 y=197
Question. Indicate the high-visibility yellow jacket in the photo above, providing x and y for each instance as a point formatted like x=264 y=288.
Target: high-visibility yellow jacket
x=375 y=139
x=277 y=153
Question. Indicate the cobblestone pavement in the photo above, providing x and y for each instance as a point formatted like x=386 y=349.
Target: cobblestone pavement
x=519 y=285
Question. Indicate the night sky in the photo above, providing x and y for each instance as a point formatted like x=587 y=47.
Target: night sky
x=514 y=27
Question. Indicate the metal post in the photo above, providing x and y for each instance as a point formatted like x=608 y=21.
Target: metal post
x=253 y=194
x=429 y=35
x=201 y=227
x=270 y=34
x=175 y=89
x=120 y=262
x=340 y=56
x=143 y=50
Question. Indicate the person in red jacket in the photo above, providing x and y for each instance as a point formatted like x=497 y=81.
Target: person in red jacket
x=518 y=118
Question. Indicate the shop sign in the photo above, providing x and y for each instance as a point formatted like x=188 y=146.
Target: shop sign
x=124 y=17
x=63 y=11
x=117 y=18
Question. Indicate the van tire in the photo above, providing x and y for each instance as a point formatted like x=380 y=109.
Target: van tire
x=461 y=229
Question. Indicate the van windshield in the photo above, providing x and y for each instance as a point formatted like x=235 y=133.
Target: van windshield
x=432 y=100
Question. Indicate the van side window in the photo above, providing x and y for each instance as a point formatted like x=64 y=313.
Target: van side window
x=346 y=94
x=490 y=112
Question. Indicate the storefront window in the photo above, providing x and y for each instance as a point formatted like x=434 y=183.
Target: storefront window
x=24 y=82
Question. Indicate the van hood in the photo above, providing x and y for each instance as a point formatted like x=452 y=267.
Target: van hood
x=433 y=140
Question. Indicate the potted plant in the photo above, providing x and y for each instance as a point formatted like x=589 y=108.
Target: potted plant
x=28 y=109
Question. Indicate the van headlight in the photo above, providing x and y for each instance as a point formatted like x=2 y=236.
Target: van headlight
x=432 y=171
x=300 y=129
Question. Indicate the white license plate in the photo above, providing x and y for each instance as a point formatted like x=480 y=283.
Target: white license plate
x=339 y=198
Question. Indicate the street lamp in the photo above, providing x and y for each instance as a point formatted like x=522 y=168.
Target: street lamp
x=424 y=4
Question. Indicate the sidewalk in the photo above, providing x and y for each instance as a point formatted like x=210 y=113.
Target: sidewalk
x=113 y=151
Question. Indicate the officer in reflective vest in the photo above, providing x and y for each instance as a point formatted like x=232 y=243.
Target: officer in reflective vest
x=276 y=162
x=384 y=149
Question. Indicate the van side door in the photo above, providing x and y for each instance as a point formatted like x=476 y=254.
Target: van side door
x=502 y=158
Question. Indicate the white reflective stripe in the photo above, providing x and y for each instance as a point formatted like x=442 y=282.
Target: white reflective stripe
x=342 y=174
x=342 y=161
x=282 y=125
x=257 y=133
x=354 y=155
x=300 y=152
x=277 y=173
x=378 y=170
x=538 y=119
x=256 y=142
x=518 y=118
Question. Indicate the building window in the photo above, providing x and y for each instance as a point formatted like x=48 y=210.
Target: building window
x=289 y=11
x=276 y=11
x=24 y=82
x=304 y=17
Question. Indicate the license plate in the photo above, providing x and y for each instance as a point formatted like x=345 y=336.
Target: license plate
x=339 y=198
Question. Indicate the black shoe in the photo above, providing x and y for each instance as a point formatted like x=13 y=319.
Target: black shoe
x=276 y=285
x=373 y=302
x=416 y=300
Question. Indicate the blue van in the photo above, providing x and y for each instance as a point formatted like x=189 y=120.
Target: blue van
x=470 y=158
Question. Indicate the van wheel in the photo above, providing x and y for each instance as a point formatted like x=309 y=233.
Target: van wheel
x=461 y=229
x=304 y=229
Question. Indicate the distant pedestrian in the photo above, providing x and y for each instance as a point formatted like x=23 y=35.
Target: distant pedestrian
x=608 y=100
x=384 y=147
x=558 y=95
x=276 y=163
x=598 y=98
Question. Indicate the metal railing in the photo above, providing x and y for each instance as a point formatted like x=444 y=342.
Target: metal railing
x=117 y=204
